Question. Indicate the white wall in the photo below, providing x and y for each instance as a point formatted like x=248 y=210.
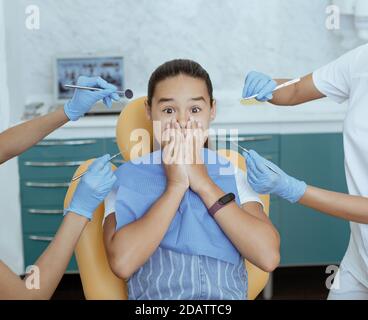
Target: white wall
x=15 y=27
x=4 y=97
x=10 y=223
x=281 y=37
x=284 y=38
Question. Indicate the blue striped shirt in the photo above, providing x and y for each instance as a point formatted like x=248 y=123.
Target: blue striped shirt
x=170 y=275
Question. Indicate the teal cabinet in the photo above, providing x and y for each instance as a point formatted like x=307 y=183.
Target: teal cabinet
x=263 y=144
x=64 y=150
x=48 y=192
x=46 y=170
x=268 y=146
x=36 y=243
x=112 y=148
x=307 y=236
x=41 y=218
x=45 y=174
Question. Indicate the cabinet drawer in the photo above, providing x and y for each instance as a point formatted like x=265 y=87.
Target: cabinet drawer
x=270 y=156
x=65 y=150
x=48 y=169
x=41 y=219
x=45 y=192
x=309 y=237
x=274 y=213
x=35 y=244
x=112 y=148
x=260 y=143
x=273 y=157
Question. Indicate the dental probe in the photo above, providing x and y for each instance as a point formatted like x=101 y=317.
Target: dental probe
x=127 y=93
x=82 y=174
x=247 y=152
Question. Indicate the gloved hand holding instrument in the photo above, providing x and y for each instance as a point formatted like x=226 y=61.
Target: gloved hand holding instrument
x=260 y=86
x=93 y=187
x=83 y=99
x=267 y=178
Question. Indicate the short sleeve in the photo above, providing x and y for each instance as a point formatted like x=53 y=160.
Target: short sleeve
x=245 y=191
x=334 y=79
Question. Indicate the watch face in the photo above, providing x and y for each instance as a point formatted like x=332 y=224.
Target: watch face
x=227 y=198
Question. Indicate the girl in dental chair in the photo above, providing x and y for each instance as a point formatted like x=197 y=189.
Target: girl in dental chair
x=183 y=219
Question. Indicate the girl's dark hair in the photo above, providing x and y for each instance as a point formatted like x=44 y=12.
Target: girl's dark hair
x=174 y=68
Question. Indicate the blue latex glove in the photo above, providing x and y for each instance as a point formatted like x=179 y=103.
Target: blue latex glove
x=93 y=188
x=259 y=83
x=264 y=181
x=84 y=100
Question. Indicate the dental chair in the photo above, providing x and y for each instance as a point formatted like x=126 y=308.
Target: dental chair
x=98 y=280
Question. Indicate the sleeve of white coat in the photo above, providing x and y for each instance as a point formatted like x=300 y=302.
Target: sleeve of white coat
x=334 y=79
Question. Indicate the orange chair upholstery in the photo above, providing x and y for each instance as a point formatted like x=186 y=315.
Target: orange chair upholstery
x=99 y=282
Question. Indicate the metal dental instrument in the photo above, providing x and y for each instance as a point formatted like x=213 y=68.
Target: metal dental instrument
x=82 y=174
x=286 y=84
x=127 y=93
x=247 y=152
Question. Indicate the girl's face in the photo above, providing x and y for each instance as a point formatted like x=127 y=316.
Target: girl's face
x=180 y=98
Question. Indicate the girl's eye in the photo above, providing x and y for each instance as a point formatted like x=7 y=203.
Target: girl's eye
x=168 y=110
x=196 y=109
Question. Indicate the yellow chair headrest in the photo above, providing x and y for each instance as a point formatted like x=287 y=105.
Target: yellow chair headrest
x=134 y=131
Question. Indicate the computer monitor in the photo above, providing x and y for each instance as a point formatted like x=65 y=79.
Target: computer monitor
x=69 y=68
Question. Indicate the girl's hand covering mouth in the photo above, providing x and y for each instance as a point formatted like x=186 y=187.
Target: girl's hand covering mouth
x=173 y=156
x=194 y=141
x=182 y=156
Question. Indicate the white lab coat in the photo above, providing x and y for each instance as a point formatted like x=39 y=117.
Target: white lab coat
x=347 y=79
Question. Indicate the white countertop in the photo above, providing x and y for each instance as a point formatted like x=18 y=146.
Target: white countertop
x=320 y=116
